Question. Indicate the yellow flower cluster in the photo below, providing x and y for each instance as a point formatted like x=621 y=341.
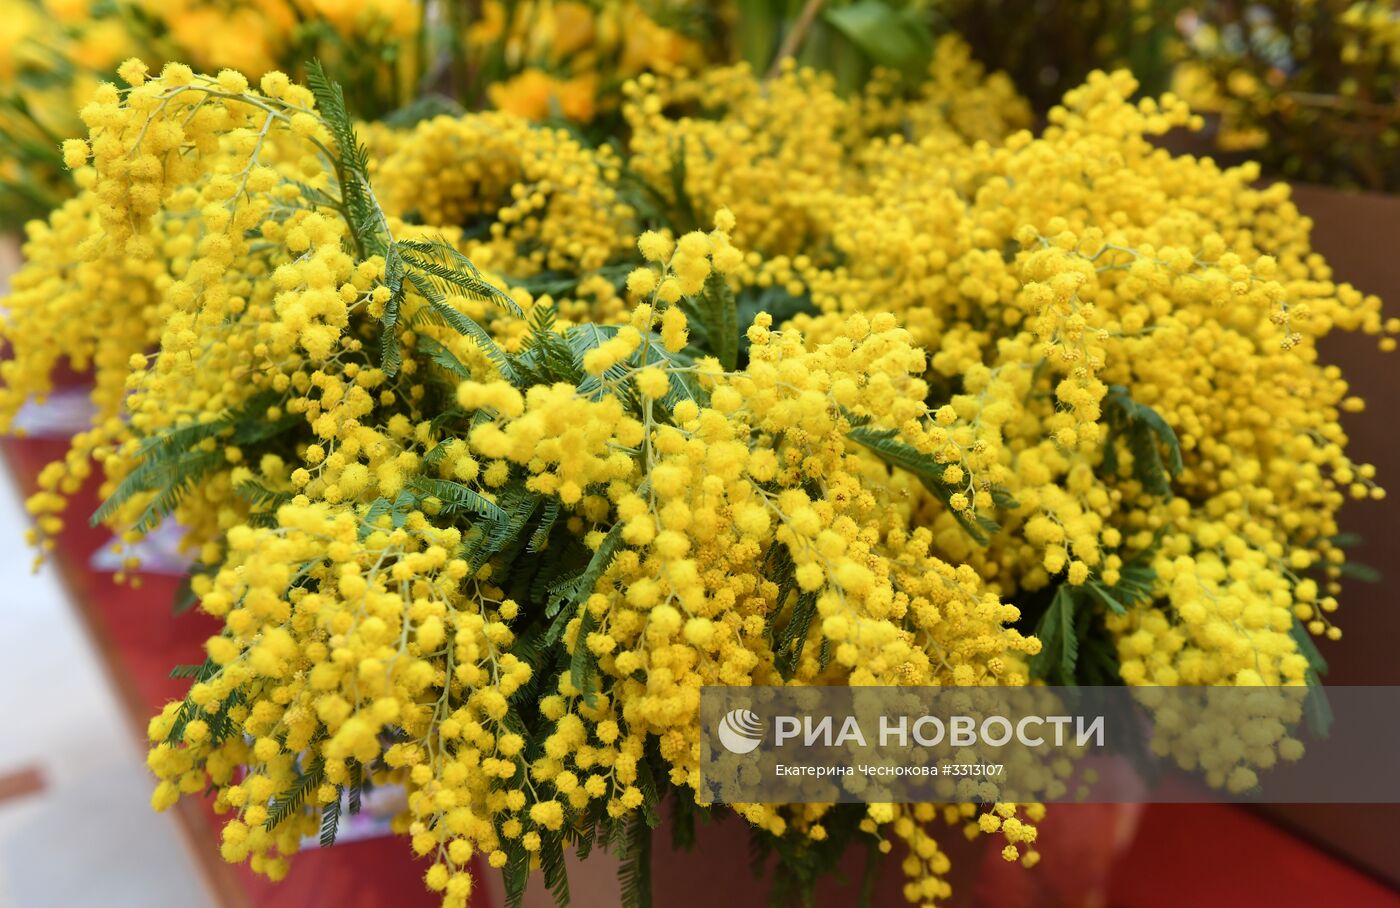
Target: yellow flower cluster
x=1033 y=304
x=257 y=37
x=543 y=200
x=54 y=53
x=565 y=58
x=785 y=146
x=486 y=534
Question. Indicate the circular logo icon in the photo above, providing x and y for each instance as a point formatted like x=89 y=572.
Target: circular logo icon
x=740 y=731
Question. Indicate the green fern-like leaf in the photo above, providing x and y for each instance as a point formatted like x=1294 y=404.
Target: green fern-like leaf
x=578 y=588
x=542 y=320
x=255 y=493
x=443 y=357
x=443 y=262
x=390 y=359
x=460 y=323
x=264 y=501
x=288 y=802
x=546 y=356
x=885 y=444
x=351 y=163
x=788 y=651
x=549 y=517
x=516 y=873
x=582 y=338
x=457 y=497
x=583 y=665
x=1148 y=437
x=330 y=822
x=356 y=786
x=714 y=318
x=397 y=509
x=634 y=870
x=170 y=462
x=185 y=598
x=202 y=671
x=555 y=871
x=488 y=538
x=1075 y=648
x=1059 y=644
x=180 y=478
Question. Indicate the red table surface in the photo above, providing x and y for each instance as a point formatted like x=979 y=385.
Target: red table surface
x=1210 y=855
x=1201 y=855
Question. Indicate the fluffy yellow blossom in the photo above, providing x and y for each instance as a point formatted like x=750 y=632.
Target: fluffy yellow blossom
x=490 y=472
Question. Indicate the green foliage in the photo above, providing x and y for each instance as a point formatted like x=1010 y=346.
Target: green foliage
x=493 y=536
x=1075 y=647
x=390 y=359
x=1147 y=436
x=776 y=301
x=787 y=653
x=265 y=501
x=1135 y=584
x=441 y=356
x=550 y=516
x=1059 y=640
x=1317 y=711
x=171 y=462
x=583 y=665
x=802 y=862
x=787 y=626
x=895 y=36
x=582 y=338
x=547 y=357
x=432 y=267
x=685 y=814
x=429 y=286
x=1358 y=571
x=196 y=671
x=288 y=802
x=452 y=272
x=351 y=164
x=848 y=38
x=220 y=722
x=556 y=283
x=885 y=443
x=634 y=869
x=456 y=497
x=556 y=874
x=788 y=641
x=330 y=821
x=397 y=510
x=356 y=786
x=1317 y=665
x=1353 y=569
x=516 y=873
x=578 y=587
x=714 y=321
x=628 y=838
